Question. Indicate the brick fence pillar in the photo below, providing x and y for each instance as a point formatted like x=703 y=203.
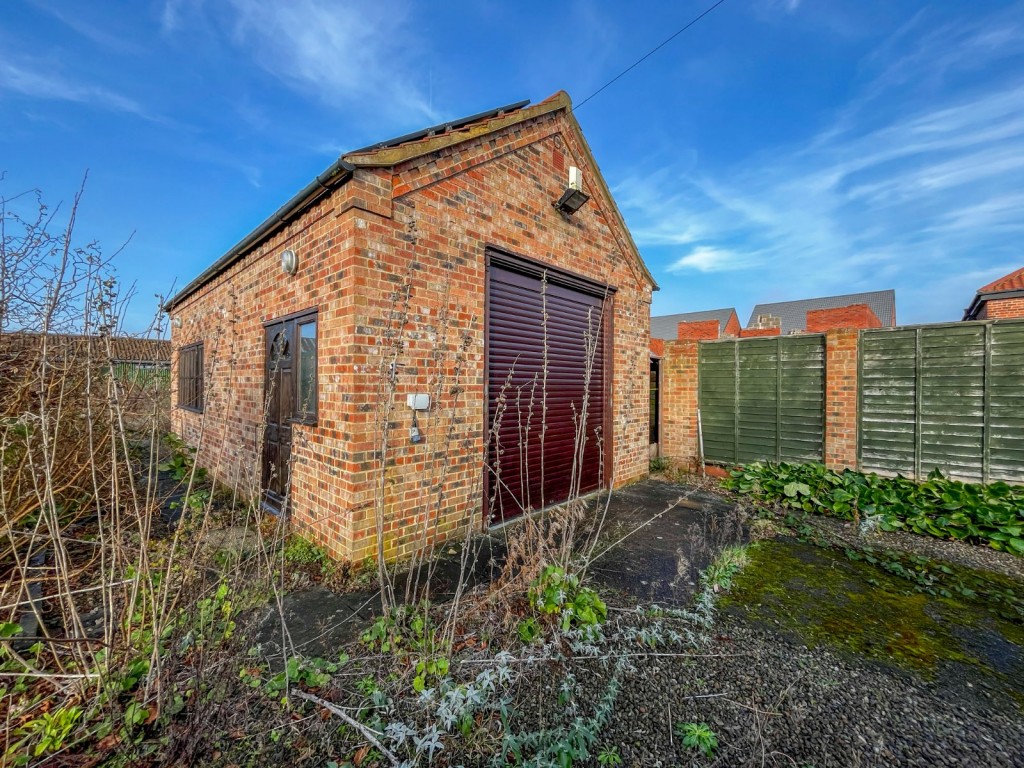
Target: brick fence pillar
x=841 y=398
x=679 y=401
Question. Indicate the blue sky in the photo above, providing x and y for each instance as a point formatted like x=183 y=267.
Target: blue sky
x=779 y=149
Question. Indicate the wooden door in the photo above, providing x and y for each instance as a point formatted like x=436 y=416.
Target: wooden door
x=278 y=397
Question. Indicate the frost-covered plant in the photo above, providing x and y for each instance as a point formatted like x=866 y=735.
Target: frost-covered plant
x=561 y=745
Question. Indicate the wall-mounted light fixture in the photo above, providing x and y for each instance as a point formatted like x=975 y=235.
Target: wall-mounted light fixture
x=289 y=261
x=177 y=321
x=574 y=197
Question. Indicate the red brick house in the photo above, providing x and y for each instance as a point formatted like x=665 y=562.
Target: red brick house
x=872 y=309
x=394 y=310
x=1001 y=298
x=707 y=324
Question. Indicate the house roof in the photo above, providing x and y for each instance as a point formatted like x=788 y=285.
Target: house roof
x=1011 y=282
x=397 y=150
x=793 y=314
x=1007 y=286
x=667 y=326
x=119 y=349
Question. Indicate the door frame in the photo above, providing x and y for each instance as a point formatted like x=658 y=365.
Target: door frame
x=291 y=321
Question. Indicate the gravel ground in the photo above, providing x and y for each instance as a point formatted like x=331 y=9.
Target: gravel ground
x=773 y=701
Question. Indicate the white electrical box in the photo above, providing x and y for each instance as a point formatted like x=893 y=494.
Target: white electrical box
x=575 y=177
x=418 y=402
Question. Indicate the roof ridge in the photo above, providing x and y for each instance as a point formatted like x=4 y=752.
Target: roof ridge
x=821 y=298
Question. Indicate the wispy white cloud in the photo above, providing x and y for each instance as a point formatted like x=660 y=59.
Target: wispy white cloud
x=909 y=185
x=706 y=259
x=36 y=82
x=338 y=53
x=97 y=33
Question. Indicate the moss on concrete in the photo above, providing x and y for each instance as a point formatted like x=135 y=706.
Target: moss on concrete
x=882 y=609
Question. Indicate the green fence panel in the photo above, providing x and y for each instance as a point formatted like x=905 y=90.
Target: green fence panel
x=762 y=399
x=944 y=397
x=1004 y=445
x=717 y=393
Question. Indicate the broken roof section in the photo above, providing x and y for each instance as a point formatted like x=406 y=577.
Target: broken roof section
x=398 y=150
x=793 y=314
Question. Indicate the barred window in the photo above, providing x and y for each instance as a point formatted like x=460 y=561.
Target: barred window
x=190 y=377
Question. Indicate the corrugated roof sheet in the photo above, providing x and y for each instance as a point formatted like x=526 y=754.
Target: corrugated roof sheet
x=793 y=314
x=667 y=326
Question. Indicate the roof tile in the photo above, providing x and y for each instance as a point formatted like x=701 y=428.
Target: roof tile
x=793 y=314
x=1011 y=282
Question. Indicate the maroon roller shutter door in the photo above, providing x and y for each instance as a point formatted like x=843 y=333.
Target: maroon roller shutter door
x=531 y=455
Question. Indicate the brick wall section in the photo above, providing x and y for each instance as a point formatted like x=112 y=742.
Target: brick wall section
x=852 y=316
x=841 y=398
x=227 y=315
x=697 y=330
x=394 y=263
x=679 y=401
x=995 y=309
x=749 y=333
x=732 y=327
x=657 y=347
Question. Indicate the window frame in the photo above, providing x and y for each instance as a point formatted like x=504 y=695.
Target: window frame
x=191 y=384
x=308 y=415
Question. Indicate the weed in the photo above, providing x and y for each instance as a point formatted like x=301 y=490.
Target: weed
x=181 y=463
x=301 y=551
x=719 y=574
x=609 y=756
x=557 y=593
x=949 y=509
x=698 y=736
x=659 y=464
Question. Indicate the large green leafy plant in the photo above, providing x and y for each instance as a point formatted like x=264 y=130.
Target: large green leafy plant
x=991 y=514
x=559 y=594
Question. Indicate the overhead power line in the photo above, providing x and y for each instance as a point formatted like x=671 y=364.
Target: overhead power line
x=650 y=53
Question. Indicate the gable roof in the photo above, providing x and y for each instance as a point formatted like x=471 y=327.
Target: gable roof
x=400 y=149
x=1007 y=286
x=793 y=314
x=667 y=326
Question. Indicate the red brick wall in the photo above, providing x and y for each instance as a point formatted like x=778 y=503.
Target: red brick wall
x=841 y=398
x=697 y=330
x=747 y=333
x=657 y=347
x=732 y=327
x=679 y=400
x=852 y=316
x=417 y=231
x=995 y=309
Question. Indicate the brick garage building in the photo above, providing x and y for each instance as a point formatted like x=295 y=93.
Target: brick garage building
x=1002 y=298
x=424 y=266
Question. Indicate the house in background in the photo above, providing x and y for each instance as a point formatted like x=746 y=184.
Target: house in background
x=709 y=324
x=429 y=293
x=696 y=325
x=874 y=309
x=1002 y=298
